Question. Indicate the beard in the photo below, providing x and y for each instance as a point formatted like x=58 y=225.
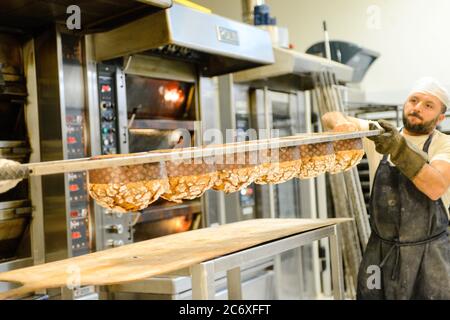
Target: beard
x=422 y=128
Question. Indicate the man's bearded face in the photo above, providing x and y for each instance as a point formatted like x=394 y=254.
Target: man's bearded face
x=422 y=113
x=423 y=127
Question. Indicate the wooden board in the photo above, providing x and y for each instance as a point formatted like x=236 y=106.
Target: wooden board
x=74 y=165
x=157 y=256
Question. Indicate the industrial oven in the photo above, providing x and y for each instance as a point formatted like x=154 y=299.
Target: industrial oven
x=68 y=216
x=45 y=219
x=158 y=109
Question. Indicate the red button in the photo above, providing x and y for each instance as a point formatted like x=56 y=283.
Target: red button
x=76 y=235
x=71 y=140
x=74 y=187
x=74 y=214
x=106 y=88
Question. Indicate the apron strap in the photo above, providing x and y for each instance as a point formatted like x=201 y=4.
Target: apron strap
x=396 y=245
x=427 y=144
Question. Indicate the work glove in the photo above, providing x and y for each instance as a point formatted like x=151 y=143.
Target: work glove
x=405 y=155
x=6 y=185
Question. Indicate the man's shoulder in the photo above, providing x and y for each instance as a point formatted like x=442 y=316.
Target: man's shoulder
x=440 y=146
x=442 y=137
x=440 y=133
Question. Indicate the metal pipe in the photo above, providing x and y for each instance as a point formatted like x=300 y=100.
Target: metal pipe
x=327 y=41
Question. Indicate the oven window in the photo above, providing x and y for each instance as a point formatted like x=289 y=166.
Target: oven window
x=150 y=98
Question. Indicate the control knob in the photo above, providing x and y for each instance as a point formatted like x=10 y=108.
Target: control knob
x=115 y=243
x=115 y=228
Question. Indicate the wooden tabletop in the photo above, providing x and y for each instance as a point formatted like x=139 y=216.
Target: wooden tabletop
x=158 y=256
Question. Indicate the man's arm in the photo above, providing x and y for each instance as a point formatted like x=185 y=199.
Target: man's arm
x=433 y=179
x=336 y=121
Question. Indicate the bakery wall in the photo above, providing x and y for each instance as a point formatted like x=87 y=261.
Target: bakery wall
x=411 y=35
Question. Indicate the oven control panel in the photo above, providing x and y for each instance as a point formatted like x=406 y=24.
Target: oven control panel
x=108 y=109
x=116 y=228
x=246 y=195
x=78 y=216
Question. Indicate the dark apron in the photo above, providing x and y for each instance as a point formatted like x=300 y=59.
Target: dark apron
x=408 y=248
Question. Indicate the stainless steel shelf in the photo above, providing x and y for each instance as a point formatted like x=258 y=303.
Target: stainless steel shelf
x=14 y=150
x=163 y=124
x=290 y=62
x=14 y=204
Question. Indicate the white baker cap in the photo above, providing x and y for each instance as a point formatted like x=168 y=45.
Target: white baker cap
x=431 y=86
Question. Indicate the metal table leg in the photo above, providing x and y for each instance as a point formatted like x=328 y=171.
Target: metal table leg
x=336 y=265
x=234 y=284
x=300 y=272
x=203 y=281
x=278 y=276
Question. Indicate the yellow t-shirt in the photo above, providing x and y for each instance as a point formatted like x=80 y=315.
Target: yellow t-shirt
x=439 y=150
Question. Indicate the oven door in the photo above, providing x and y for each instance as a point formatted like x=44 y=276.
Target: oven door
x=161 y=114
x=283 y=113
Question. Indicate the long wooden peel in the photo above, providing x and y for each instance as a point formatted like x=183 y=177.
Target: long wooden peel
x=64 y=166
x=158 y=256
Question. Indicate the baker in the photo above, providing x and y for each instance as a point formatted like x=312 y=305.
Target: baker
x=410 y=195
